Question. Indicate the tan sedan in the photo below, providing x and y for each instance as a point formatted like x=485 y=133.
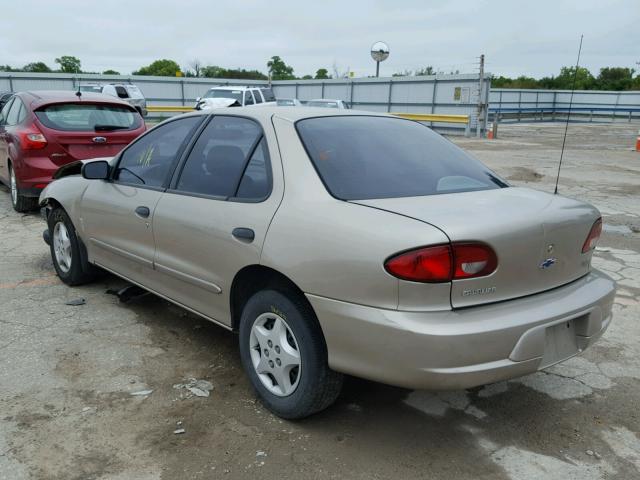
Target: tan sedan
x=338 y=242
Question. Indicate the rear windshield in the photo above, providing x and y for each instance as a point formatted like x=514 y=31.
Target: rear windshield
x=360 y=157
x=322 y=104
x=86 y=117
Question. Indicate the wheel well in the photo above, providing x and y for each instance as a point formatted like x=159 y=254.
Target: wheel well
x=252 y=279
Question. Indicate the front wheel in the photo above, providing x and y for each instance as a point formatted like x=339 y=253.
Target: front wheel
x=285 y=356
x=68 y=260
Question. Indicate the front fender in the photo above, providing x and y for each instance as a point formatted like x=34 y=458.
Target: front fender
x=66 y=192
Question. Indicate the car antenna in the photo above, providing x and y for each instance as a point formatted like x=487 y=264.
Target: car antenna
x=566 y=126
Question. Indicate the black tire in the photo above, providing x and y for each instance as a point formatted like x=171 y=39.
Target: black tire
x=19 y=202
x=80 y=271
x=318 y=386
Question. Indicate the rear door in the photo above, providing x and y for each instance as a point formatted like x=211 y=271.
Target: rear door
x=226 y=187
x=117 y=216
x=78 y=131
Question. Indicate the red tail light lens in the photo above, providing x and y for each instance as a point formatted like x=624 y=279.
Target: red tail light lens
x=31 y=138
x=593 y=237
x=429 y=264
x=443 y=263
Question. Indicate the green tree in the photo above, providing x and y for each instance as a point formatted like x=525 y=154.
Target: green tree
x=280 y=70
x=37 y=67
x=615 y=78
x=6 y=68
x=428 y=70
x=160 y=68
x=307 y=77
x=322 y=74
x=110 y=72
x=68 y=64
x=213 y=71
x=583 y=79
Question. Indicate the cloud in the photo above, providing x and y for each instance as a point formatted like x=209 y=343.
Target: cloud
x=516 y=39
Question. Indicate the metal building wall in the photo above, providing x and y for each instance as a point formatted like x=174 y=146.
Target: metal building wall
x=446 y=94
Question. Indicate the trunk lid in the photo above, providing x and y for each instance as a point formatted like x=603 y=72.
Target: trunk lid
x=537 y=237
x=84 y=145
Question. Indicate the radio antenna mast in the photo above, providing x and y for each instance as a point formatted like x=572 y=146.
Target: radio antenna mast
x=566 y=126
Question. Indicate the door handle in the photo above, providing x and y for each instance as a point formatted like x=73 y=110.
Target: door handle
x=244 y=234
x=143 y=212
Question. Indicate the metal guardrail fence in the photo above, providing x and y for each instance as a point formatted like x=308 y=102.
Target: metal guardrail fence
x=587 y=105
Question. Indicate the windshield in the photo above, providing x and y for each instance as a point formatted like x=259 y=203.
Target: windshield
x=91 y=88
x=361 y=157
x=235 y=94
x=86 y=117
x=322 y=104
x=286 y=102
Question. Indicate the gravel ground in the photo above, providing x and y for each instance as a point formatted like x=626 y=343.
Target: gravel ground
x=69 y=373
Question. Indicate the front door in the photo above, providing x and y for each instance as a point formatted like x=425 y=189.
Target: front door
x=213 y=220
x=117 y=216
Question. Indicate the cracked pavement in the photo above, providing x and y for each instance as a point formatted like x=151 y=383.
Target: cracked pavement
x=67 y=372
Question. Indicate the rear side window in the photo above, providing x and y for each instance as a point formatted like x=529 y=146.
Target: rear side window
x=268 y=95
x=248 y=98
x=256 y=94
x=149 y=160
x=87 y=117
x=228 y=160
x=14 y=112
x=360 y=157
x=122 y=92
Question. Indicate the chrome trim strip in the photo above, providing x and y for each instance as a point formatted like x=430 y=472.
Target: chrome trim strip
x=185 y=277
x=122 y=253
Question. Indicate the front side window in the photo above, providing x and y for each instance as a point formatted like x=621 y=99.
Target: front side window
x=256 y=94
x=149 y=160
x=228 y=160
x=362 y=157
x=87 y=117
x=4 y=113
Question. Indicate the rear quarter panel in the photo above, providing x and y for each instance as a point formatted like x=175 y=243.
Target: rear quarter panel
x=337 y=249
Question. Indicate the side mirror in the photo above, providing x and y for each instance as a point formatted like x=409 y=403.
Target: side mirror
x=98 y=170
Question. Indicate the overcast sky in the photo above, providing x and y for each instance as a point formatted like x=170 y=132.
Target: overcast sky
x=532 y=38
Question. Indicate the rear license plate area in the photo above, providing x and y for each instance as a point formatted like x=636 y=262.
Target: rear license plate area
x=560 y=343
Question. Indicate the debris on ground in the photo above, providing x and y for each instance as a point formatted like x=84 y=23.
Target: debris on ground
x=194 y=387
x=141 y=393
x=179 y=431
x=76 y=302
x=128 y=293
x=260 y=453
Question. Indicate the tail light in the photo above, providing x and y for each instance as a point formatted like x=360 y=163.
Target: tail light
x=31 y=138
x=443 y=263
x=593 y=237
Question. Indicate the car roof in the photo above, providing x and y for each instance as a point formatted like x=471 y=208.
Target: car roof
x=37 y=98
x=293 y=114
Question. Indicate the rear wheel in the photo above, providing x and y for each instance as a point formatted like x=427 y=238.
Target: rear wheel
x=285 y=356
x=19 y=202
x=68 y=260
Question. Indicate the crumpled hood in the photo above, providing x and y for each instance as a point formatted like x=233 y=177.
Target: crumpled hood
x=206 y=103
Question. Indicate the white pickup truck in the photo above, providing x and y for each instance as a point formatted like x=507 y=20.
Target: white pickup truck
x=235 y=96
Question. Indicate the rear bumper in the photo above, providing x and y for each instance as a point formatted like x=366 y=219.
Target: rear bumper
x=463 y=348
